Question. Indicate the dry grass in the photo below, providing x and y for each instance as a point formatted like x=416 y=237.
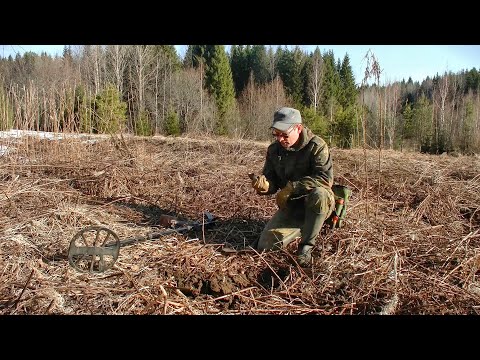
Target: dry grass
x=411 y=247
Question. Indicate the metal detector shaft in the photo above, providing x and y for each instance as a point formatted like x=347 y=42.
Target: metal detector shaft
x=152 y=236
x=91 y=249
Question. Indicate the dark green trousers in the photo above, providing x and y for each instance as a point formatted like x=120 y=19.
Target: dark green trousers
x=302 y=217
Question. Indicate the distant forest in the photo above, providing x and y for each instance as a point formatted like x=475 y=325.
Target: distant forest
x=150 y=89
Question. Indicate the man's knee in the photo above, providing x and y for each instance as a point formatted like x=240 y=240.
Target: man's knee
x=268 y=241
x=278 y=238
x=320 y=200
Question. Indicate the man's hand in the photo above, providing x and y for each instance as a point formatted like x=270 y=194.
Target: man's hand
x=260 y=183
x=283 y=195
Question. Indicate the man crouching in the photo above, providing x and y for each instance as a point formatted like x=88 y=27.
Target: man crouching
x=298 y=163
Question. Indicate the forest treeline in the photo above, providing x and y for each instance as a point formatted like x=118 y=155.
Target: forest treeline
x=150 y=89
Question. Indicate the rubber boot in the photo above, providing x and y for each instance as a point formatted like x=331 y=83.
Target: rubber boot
x=318 y=206
x=311 y=229
x=304 y=256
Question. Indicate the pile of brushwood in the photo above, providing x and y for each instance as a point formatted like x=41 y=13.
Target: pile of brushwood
x=410 y=243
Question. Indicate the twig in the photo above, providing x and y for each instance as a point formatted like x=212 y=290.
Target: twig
x=165 y=299
x=49 y=306
x=24 y=287
x=228 y=295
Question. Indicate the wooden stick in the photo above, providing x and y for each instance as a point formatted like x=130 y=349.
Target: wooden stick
x=23 y=290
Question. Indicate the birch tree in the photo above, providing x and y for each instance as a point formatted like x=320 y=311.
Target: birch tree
x=316 y=79
x=117 y=61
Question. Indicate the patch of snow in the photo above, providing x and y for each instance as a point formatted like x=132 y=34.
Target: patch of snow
x=17 y=134
x=4 y=150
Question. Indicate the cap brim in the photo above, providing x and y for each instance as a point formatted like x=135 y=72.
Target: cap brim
x=282 y=126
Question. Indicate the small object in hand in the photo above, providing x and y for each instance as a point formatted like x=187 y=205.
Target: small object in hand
x=259 y=183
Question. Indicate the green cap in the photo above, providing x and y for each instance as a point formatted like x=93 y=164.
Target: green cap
x=285 y=117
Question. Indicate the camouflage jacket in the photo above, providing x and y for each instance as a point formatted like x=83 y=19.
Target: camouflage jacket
x=307 y=165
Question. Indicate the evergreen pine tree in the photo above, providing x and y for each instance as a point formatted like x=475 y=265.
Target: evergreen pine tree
x=219 y=83
x=110 y=111
x=259 y=64
x=240 y=67
x=348 y=91
x=290 y=65
x=332 y=79
x=172 y=123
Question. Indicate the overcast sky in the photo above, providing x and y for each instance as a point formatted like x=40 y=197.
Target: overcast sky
x=396 y=61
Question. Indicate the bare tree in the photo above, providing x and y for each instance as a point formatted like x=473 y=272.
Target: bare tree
x=315 y=85
x=117 y=59
x=455 y=104
x=155 y=94
x=90 y=65
x=142 y=71
x=372 y=70
x=439 y=98
x=392 y=106
x=257 y=103
x=193 y=104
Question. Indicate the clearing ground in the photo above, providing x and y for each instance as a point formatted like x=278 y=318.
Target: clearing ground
x=410 y=244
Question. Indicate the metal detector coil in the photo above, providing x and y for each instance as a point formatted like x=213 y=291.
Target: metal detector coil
x=91 y=251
